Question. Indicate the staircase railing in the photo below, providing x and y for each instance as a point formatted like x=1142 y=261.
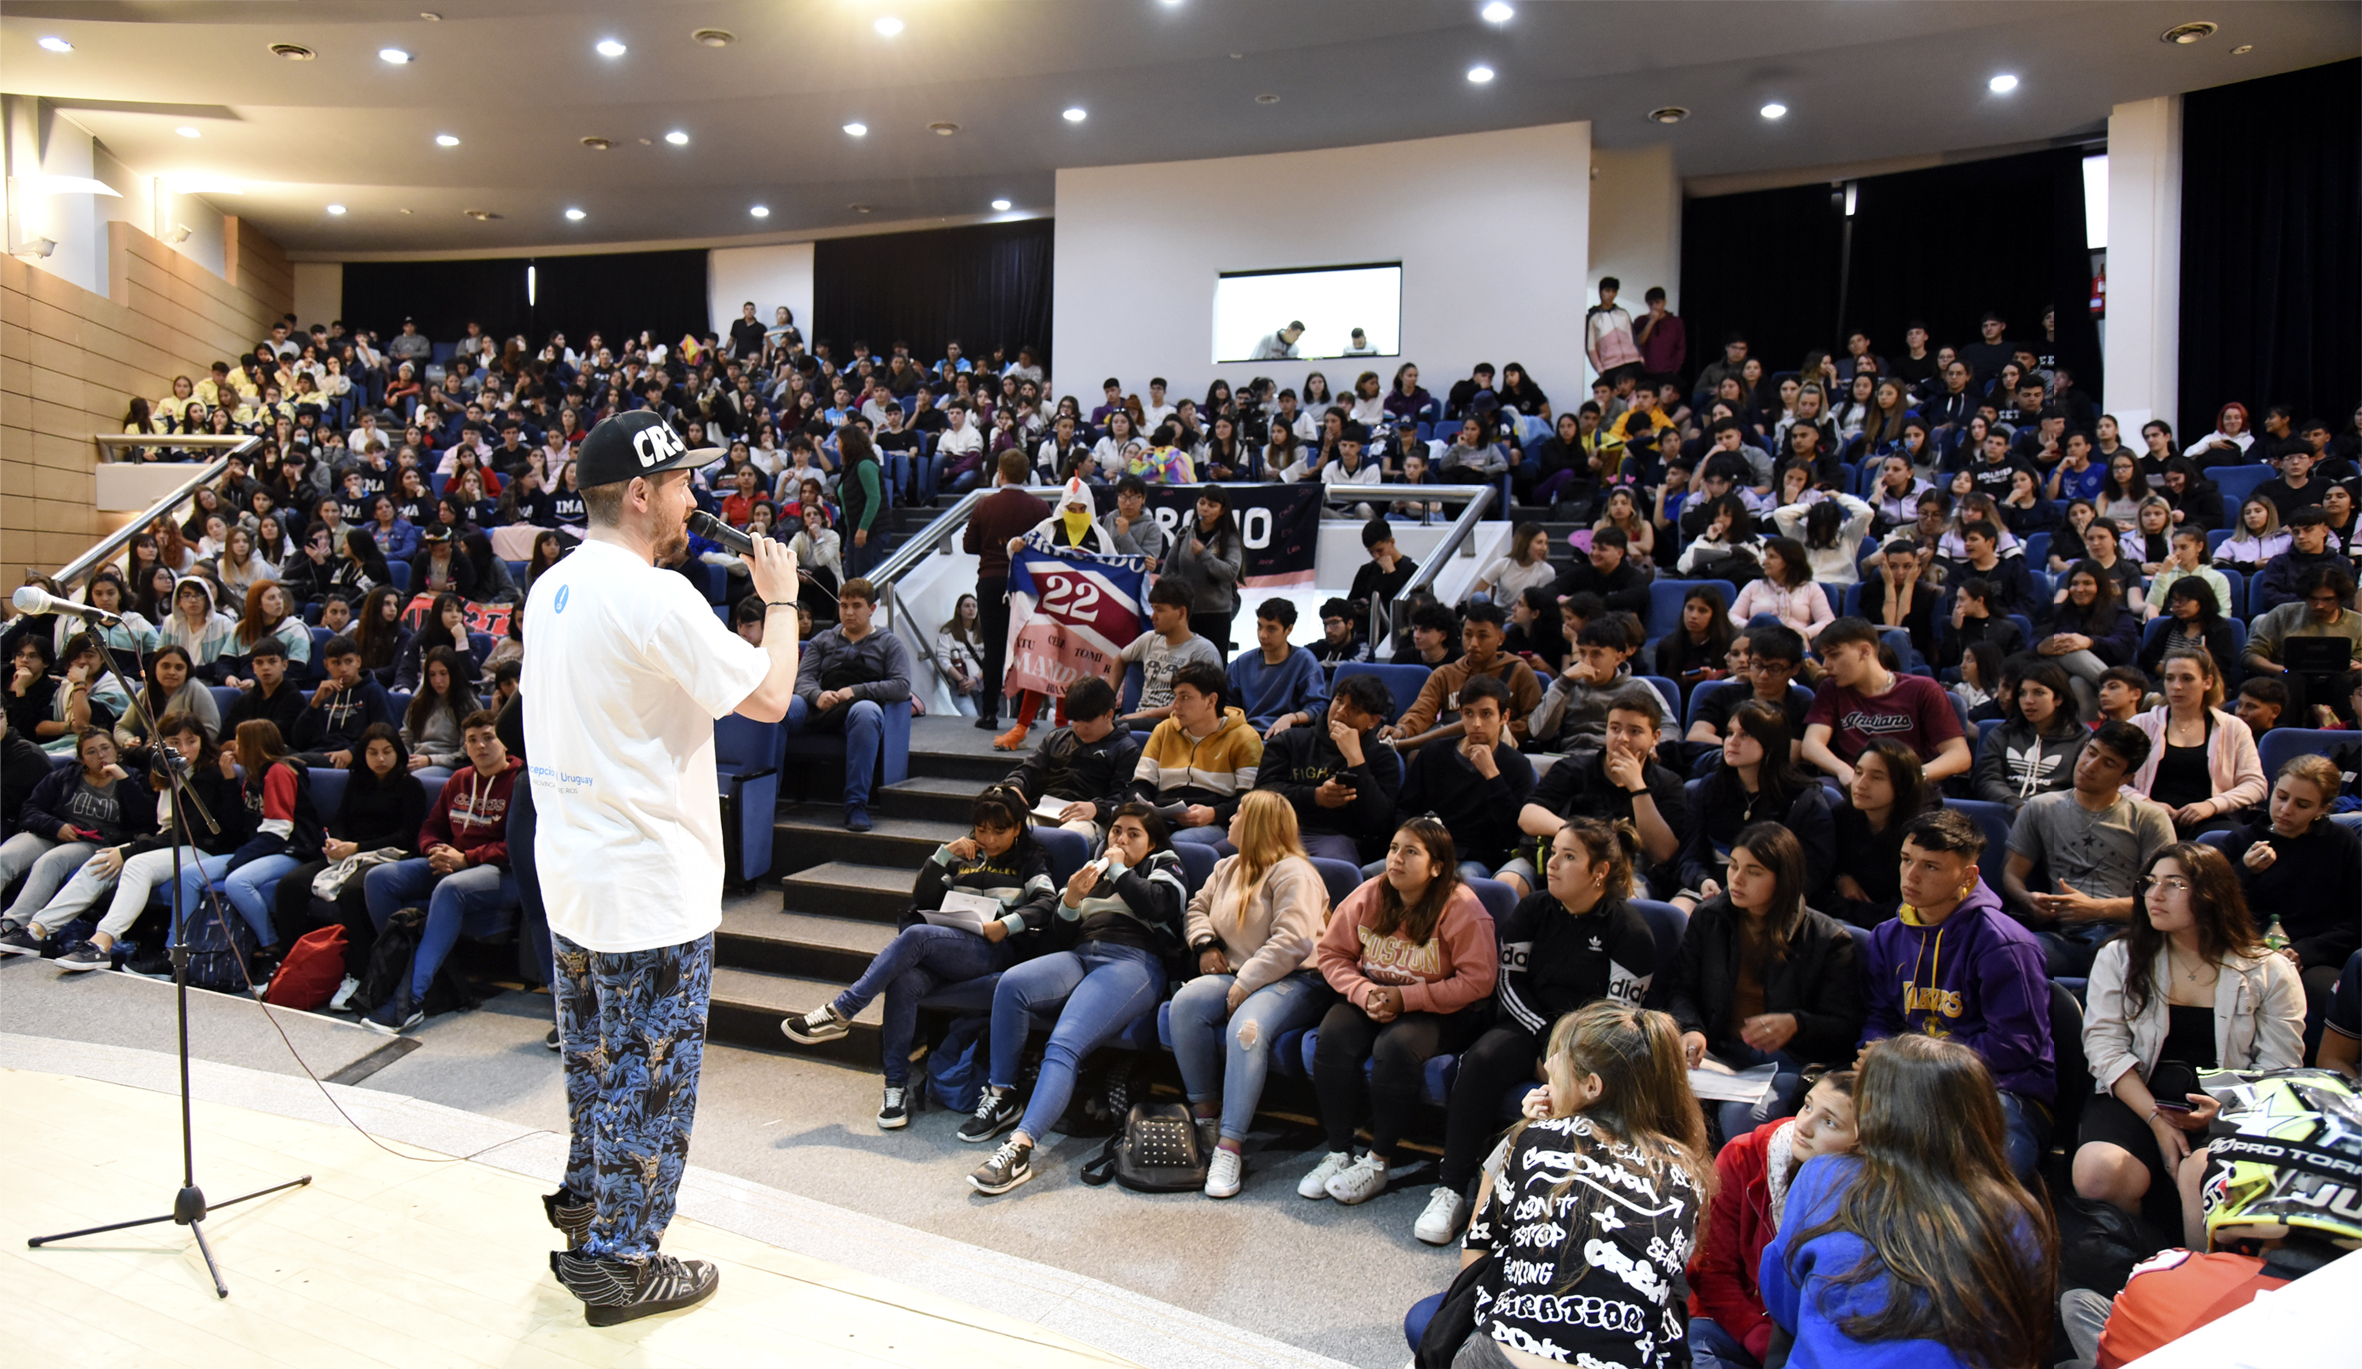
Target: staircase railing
x=1455 y=539
x=72 y=575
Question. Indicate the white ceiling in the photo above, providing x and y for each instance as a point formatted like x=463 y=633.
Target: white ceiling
x=518 y=82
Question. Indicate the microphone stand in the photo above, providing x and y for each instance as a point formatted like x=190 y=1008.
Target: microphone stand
x=189 y=1207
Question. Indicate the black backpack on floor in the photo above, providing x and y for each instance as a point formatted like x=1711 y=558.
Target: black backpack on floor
x=1155 y=1152
x=388 y=971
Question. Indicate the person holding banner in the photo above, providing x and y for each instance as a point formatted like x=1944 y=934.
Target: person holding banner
x=1074 y=527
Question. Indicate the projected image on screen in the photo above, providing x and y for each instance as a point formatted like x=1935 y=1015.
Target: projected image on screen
x=1257 y=313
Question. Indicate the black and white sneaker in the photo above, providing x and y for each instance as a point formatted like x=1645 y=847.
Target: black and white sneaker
x=342 y=999
x=823 y=1023
x=552 y=1040
x=16 y=939
x=894 y=1112
x=570 y=1214
x=995 y=1113
x=393 y=1017
x=617 y=1291
x=84 y=958
x=1009 y=1166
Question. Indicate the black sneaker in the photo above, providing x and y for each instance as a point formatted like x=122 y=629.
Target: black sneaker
x=552 y=1040
x=1009 y=1166
x=988 y=723
x=894 y=1112
x=617 y=1291
x=154 y=966
x=995 y=1113
x=83 y=958
x=16 y=940
x=393 y=1017
x=569 y=1214
x=823 y=1023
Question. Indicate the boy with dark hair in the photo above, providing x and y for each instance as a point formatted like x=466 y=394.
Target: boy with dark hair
x=2261 y=703
x=1087 y=765
x=1200 y=759
x=2282 y=579
x=1572 y=716
x=747 y=618
x=1619 y=782
x=1607 y=572
x=1482 y=633
x=1774 y=651
x=329 y=730
x=1337 y=776
x=2095 y=840
x=1163 y=650
x=270 y=697
x=1280 y=686
x=1983 y=986
x=1976 y=617
x=1474 y=787
x=1341 y=640
x=2121 y=690
x=1862 y=698
x=1386 y=573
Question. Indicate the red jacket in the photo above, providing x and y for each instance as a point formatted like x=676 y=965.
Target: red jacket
x=471 y=815
x=1739 y=1224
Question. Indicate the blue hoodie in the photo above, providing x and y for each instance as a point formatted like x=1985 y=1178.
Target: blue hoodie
x=1799 y=1283
x=1977 y=978
x=1270 y=692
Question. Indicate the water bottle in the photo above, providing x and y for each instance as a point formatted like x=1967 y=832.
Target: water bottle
x=2274 y=937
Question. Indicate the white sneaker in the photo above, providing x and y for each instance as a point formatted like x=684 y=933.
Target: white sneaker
x=1222 y=1173
x=1316 y=1184
x=344 y=994
x=1363 y=1180
x=1446 y=1209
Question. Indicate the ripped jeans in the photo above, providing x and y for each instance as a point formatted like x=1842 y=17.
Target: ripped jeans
x=1226 y=1055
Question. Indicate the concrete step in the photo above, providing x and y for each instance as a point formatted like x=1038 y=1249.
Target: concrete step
x=811 y=833
x=818 y=946
x=980 y=767
x=930 y=797
x=843 y=889
x=747 y=1006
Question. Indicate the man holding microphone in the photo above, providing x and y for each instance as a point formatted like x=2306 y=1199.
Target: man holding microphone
x=628 y=670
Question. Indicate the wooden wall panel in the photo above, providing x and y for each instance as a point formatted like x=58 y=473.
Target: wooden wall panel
x=71 y=361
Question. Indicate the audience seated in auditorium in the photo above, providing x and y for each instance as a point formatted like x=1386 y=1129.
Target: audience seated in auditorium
x=344 y=705
x=1200 y=760
x=2033 y=751
x=1753 y=779
x=1279 y=686
x=1433 y=716
x=376 y=823
x=1753 y=1175
x=2202 y=767
x=1862 y=699
x=1085 y=768
x=2298 y=869
x=1620 y=782
x=1337 y=775
x=845 y=680
x=2093 y=840
x=1476 y=786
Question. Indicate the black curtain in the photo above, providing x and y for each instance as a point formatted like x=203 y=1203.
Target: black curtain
x=1941 y=246
x=986 y=285
x=1947 y=244
x=615 y=293
x=1762 y=263
x=2272 y=247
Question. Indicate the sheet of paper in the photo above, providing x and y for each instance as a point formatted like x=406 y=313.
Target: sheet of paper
x=1051 y=810
x=1716 y=1082
x=966 y=911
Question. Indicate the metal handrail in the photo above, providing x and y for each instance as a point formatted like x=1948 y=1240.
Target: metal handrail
x=71 y=575
x=1454 y=537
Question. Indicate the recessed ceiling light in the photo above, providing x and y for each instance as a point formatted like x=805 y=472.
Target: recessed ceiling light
x=2002 y=84
x=858 y=208
x=1267 y=99
x=887 y=25
x=433 y=18
x=393 y=55
x=1077 y=114
x=677 y=138
x=57 y=45
x=1773 y=110
x=715 y=38
x=1480 y=75
x=1670 y=114
x=481 y=215
x=293 y=52
x=401 y=211
x=760 y=211
x=857 y=130
x=2243 y=49
x=943 y=128
x=1498 y=13
x=336 y=209
x=187 y=131
x=2186 y=34
x=598 y=144
x=608 y=47
x=576 y=215
x=1000 y=206
x=446 y=140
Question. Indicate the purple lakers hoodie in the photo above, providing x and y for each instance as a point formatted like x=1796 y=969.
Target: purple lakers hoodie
x=1977 y=978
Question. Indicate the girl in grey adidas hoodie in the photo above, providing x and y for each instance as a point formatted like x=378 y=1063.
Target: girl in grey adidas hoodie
x=2034 y=751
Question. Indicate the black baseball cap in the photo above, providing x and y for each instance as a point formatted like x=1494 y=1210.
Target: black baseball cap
x=639 y=442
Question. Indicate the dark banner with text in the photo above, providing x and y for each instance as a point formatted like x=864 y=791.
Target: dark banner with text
x=1278 y=524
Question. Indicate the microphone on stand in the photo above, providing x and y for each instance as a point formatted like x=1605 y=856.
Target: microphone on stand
x=34 y=599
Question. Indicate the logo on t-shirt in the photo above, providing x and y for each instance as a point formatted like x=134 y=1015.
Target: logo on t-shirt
x=1862 y=720
x=558 y=605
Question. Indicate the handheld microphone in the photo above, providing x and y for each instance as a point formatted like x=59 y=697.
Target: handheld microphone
x=712 y=529
x=34 y=599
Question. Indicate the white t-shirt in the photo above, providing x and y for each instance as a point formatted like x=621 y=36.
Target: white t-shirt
x=628 y=670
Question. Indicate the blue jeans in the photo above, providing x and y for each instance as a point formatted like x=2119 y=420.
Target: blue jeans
x=198 y=871
x=1740 y=1118
x=461 y=897
x=1103 y=988
x=252 y=887
x=920 y=959
x=2029 y=1131
x=1225 y=1054
x=897 y=474
x=864 y=725
x=1414 y=1322
x=631 y=1027
x=1212 y=834
x=1711 y=1347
